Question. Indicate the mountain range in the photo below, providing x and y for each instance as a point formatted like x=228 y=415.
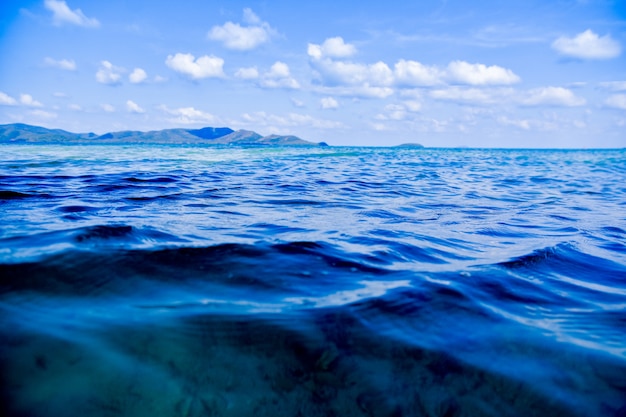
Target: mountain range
x=23 y=133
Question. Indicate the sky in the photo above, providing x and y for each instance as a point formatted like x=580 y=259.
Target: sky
x=519 y=73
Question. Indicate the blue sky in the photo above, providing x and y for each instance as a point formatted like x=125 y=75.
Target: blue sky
x=441 y=73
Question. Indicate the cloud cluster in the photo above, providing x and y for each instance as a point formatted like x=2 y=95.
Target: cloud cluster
x=25 y=100
x=206 y=66
x=278 y=76
x=238 y=37
x=379 y=79
x=331 y=48
x=588 y=45
x=109 y=74
x=61 y=13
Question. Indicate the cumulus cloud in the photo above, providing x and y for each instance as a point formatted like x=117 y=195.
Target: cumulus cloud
x=204 y=67
x=350 y=73
x=332 y=48
x=137 y=76
x=344 y=77
x=279 y=76
x=188 y=115
x=588 y=45
x=7 y=100
x=552 y=96
x=328 y=103
x=415 y=74
x=479 y=74
x=64 y=64
x=107 y=108
x=109 y=74
x=250 y=73
x=28 y=100
x=75 y=107
x=235 y=36
x=617 y=101
x=61 y=13
x=133 y=107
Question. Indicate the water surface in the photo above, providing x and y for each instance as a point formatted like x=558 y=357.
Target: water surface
x=185 y=281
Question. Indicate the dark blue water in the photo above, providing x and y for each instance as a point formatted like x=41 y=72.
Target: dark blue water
x=181 y=281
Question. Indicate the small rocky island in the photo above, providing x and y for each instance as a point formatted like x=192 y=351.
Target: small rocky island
x=23 y=133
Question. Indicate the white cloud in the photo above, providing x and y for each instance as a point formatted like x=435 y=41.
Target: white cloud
x=133 y=107
x=75 y=107
x=329 y=103
x=204 y=67
x=297 y=103
x=188 y=115
x=393 y=112
x=235 y=36
x=61 y=13
x=42 y=114
x=358 y=91
x=413 y=105
x=614 y=85
x=64 y=64
x=250 y=17
x=27 y=100
x=468 y=95
x=159 y=79
x=479 y=74
x=137 y=76
x=552 y=96
x=280 y=123
x=279 y=76
x=617 y=101
x=349 y=73
x=413 y=73
x=109 y=73
x=588 y=45
x=522 y=124
x=332 y=47
x=107 y=108
x=7 y=100
x=249 y=73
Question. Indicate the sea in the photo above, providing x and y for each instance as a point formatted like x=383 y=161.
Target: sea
x=173 y=280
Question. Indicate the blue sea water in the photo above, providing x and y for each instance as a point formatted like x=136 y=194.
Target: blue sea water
x=185 y=281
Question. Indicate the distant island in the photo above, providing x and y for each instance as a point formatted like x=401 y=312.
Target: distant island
x=410 y=145
x=23 y=133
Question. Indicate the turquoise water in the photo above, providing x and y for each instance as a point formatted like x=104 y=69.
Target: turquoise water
x=183 y=281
